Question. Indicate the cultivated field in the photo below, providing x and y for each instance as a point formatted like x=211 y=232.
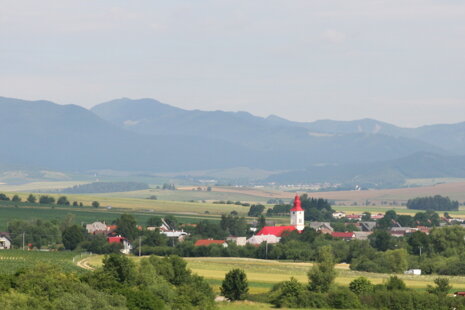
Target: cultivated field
x=14 y=260
x=263 y=274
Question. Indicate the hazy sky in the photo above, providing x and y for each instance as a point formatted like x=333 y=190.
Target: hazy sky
x=400 y=61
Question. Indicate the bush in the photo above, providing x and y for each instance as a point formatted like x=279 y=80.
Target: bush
x=343 y=298
x=235 y=286
x=361 y=286
x=395 y=283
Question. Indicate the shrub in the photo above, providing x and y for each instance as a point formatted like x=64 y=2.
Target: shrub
x=343 y=298
x=235 y=286
x=360 y=286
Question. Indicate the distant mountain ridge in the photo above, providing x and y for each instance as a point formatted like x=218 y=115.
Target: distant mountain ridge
x=147 y=135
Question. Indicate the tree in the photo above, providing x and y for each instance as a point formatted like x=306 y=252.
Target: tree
x=395 y=283
x=75 y=204
x=126 y=226
x=31 y=198
x=361 y=285
x=256 y=210
x=442 y=287
x=63 y=200
x=44 y=199
x=436 y=203
x=4 y=197
x=95 y=204
x=322 y=274
x=235 y=285
x=71 y=237
x=120 y=267
x=16 y=198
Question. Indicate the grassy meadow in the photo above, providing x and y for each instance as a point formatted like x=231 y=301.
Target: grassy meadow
x=263 y=274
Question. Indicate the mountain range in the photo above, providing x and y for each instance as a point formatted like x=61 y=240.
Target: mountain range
x=147 y=135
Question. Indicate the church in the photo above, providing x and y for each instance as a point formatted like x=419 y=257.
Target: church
x=272 y=234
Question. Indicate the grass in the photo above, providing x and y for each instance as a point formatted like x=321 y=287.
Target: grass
x=263 y=274
x=14 y=260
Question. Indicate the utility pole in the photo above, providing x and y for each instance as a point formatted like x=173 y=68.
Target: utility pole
x=420 y=250
x=266 y=249
x=23 y=241
x=139 y=244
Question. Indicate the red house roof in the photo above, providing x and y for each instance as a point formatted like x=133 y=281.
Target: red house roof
x=297 y=204
x=207 y=242
x=336 y=234
x=275 y=230
x=115 y=239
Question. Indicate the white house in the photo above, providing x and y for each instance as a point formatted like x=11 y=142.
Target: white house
x=5 y=243
x=415 y=272
x=96 y=227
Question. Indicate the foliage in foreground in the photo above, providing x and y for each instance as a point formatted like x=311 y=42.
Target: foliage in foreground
x=157 y=283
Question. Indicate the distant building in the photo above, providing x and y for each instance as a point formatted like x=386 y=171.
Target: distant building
x=339 y=215
x=343 y=235
x=362 y=235
x=354 y=217
x=97 y=228
x=367 y=226
x=127 y=247
x=240 y=241
x=323 y=227
x=5 y=243
x=207 y=242
x=259 y=239
x=415 y=272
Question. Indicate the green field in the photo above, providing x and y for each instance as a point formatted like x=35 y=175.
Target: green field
x=14 y=260
x=263 y=274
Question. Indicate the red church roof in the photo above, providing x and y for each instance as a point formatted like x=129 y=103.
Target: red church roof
x=297 y=204
x=275 y=230
x=207 y=242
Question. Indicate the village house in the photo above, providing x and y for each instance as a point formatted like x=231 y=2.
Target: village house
x=240 y=241
x=207 y=242
x=343 y=235
x=339 y=215
x=5 y=243
x=323 y=227
x=96 y=228
x=127 y=247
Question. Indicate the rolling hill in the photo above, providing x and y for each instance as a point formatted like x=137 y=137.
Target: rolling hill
x=147 y=135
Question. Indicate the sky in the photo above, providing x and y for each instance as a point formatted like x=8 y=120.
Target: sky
x=399 y=61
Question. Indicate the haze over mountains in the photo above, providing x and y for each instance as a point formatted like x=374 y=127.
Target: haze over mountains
x=146 y=135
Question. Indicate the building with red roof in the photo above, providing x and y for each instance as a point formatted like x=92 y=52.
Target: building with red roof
x=207 y=242
x=343 y=235
x=275 y=230
x=297 y=223
x=127 y=247
x=297 y=214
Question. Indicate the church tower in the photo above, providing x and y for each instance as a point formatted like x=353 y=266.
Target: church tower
x=297 y=214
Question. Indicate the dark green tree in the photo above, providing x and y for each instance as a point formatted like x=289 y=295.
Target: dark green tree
x=31 y=198
x=395 y=283
x=95 y=204
x=442 y=287
x=322 y=274
x=235 y=285
x=63 y=200
x=4 y=197
x=127 y=226
x=71 y=237
x=16 y=198
x=120 y=268
x=361 y=286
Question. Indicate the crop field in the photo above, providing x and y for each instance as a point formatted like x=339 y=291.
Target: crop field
x=13 y=260
x=263 y=274
x=455 y=190
x=83 y=215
